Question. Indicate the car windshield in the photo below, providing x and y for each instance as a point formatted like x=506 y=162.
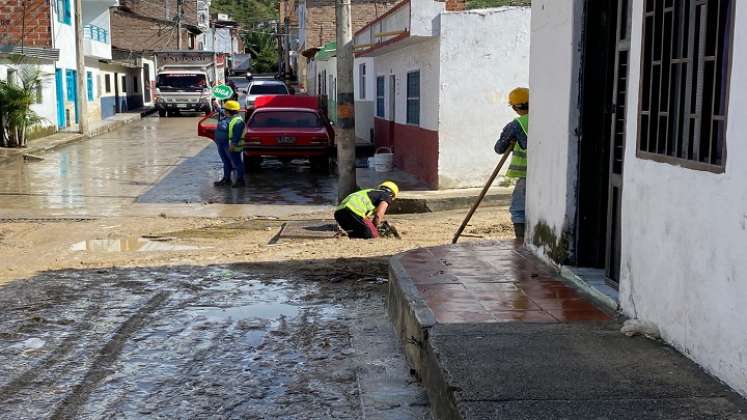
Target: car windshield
x=181 y=81
x=285 y=119
x=274 y=89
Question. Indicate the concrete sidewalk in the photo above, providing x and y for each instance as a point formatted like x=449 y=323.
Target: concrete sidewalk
x=494 y=333
x=42 y=145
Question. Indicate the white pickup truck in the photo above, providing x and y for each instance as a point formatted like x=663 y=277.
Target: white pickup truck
x=185 y=80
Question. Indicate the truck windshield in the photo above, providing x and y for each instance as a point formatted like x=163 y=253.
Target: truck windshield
x=275 y=89
x=285 y=119
x=181 y=81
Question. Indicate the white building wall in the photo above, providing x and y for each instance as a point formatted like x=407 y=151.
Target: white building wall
x=365 y=98
x=423 y=56
x=684 y=235
x=553 y=115
x=496 y=46
x=63 y=38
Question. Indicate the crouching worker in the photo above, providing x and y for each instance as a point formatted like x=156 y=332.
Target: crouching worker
x=229 y=137
x=361 y=212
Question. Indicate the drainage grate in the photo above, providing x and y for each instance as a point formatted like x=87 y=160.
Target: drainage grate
x=46 y=220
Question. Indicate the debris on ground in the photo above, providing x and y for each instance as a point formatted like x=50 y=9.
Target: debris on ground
x=387 y=230
x=634 y=327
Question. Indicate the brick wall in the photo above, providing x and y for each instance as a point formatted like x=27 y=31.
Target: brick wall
x=320 y=18
x=134 y=32
x=162 y=9
x=455 y=5
x=37 y=31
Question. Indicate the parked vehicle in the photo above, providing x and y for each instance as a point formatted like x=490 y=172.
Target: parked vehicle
x=185 y=80
x=258 y=88
x=284 y=127
x=240 y=64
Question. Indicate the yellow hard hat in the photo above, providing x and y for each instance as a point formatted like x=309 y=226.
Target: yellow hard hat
x=518 y=96
x=391 y=186
x=232 y=106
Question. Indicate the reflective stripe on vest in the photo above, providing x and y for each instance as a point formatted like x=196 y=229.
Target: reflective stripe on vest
x=518 y=166
x=235 y=120
x=359 y=203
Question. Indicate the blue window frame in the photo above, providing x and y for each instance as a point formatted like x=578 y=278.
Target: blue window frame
x=89 y=85
x=70 y=84
x=413 y=98
x=63 y=11
x=380 y=96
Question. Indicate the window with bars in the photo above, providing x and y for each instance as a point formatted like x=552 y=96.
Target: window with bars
x=380 y=96
x=685 y=82
x=362 y=80
x=413 y=97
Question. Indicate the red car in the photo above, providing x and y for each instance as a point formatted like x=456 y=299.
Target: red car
x=286 y=128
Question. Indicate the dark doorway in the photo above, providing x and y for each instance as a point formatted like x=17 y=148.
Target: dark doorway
x=146 y=82
x=604 y=84
x=117 y=105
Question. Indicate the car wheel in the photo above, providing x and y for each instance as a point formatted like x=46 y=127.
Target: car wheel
x=161 y=112
x=320 y=165
x=252 y=164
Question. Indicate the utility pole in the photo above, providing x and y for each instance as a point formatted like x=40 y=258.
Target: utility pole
x=179 y=24
x=345 y=128
x=80 y=58
x=280 y=47
x=286 y=56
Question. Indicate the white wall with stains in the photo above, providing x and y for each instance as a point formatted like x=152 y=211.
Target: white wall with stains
x=479 y=67
x=553 y=116
x=684 y=235
x=420 y=56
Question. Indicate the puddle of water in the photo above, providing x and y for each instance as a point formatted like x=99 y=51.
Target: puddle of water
x=132 y=244
x=269 y=311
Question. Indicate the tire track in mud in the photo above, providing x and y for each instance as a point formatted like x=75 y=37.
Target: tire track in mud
x=100 y=368
x=26 y=379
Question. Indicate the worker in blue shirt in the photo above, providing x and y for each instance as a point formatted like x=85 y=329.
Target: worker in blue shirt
x=229 y=137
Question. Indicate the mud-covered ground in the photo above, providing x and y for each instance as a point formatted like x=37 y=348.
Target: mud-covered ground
x=203 y=318
x=240 y=341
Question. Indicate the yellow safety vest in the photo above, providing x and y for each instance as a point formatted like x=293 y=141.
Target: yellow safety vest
x=235 y=120
x=518 y=166
x=359 y=203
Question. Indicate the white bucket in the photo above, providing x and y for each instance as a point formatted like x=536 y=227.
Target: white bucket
x=383 y=160
x=371 y=162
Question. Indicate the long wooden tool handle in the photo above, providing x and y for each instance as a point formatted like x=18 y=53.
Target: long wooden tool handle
x=482 y=195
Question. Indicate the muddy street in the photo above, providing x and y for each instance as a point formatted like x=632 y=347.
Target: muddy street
x=232 y=341
x=133 y=289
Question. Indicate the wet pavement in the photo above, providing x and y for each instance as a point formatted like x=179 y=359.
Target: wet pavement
x=275 y=183
x=494 y=282
x=153 y=163
x=494 y=334
x=220 y=342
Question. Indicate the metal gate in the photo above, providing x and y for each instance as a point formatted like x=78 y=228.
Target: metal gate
x=617 y=140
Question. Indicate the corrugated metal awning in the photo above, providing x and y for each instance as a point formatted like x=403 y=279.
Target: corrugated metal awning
x=50 y=54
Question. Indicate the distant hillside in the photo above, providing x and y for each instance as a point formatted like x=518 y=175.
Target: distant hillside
x=248 y=13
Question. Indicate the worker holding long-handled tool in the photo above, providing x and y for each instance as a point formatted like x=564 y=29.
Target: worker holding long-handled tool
x=516 y=133
x=513 y=138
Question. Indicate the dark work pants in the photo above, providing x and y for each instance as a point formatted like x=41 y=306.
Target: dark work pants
x=231 y=161
x=355 y=226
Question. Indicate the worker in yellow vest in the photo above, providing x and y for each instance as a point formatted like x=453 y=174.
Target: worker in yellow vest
x=229 y=137
x=516 y=133
x=360 y=213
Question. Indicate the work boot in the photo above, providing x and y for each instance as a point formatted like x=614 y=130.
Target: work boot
x=222 y=183
x=238 y=184
x=519 y=230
